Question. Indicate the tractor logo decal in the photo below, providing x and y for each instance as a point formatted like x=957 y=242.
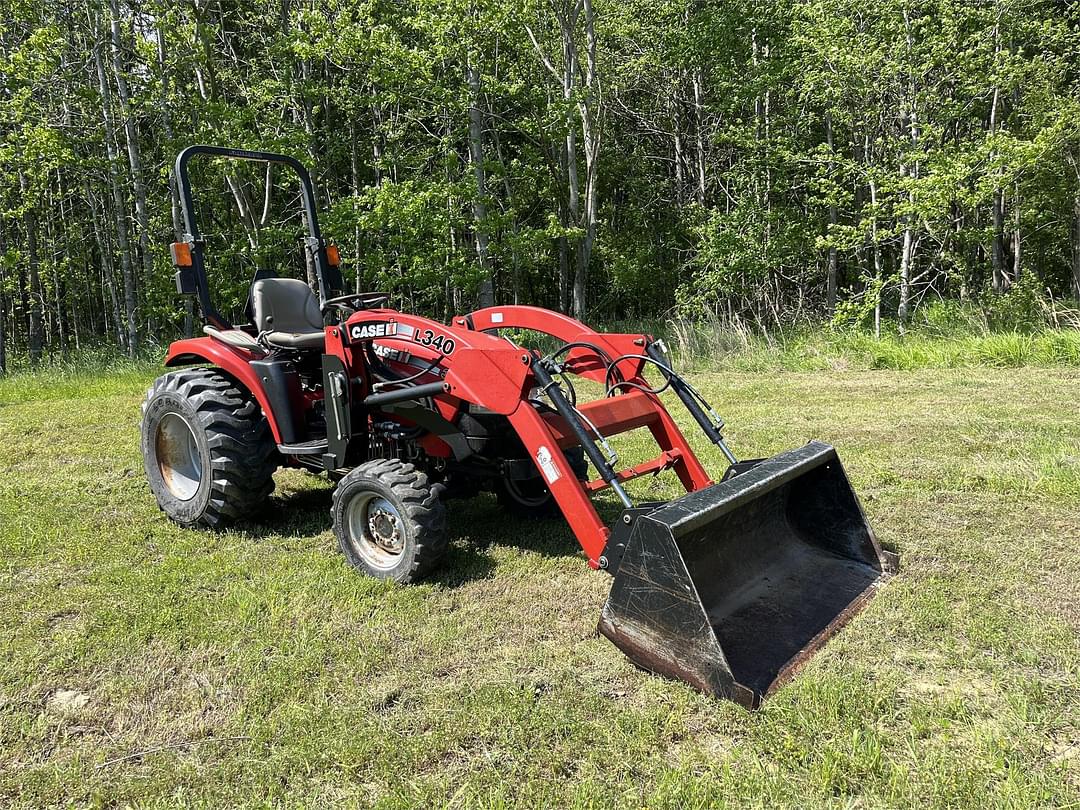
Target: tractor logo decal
x=368 y=331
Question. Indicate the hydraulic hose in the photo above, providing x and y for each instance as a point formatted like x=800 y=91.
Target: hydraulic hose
x=685 y=393
x=573 y=420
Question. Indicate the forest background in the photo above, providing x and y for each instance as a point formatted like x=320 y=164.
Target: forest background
x=870 y=167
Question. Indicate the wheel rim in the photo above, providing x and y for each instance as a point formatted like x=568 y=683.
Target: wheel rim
x=178 y=456
x=376 y=530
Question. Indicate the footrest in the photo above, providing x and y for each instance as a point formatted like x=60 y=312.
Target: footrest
x=315 y=447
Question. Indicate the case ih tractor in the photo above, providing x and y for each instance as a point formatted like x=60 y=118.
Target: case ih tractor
x=730 y=587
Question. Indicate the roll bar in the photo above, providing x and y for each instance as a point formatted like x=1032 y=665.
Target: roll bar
x=191 y=278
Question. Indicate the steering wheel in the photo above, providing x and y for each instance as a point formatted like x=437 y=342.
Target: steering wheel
x=355 y=301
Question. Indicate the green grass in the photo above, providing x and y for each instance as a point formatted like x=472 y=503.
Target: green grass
x=253 y=667
x=823 y=350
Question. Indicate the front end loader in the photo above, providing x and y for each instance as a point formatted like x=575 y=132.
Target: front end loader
x=730 y=587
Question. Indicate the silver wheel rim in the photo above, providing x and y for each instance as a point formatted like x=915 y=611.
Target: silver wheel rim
x=376 y=530
x=178 y=456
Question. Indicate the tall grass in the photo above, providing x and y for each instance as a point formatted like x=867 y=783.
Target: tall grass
x=946 y=336
x=954 y=338
x=704 y=345
x=87 y=371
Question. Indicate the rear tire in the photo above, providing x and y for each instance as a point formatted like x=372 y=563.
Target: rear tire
x=207 y=449
x=389 y=520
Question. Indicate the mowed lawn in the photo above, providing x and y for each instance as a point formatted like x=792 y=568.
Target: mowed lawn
x=147 y=664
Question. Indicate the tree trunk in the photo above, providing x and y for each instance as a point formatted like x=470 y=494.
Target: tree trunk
x=1016 y=240
x=573 y=186
x=570 y=205
x=590 y=136
x=1076 y=244
x=830 y=280
x=32 y=261
x=906 y=256
x=166 y=125
x=174 y=193
x=564 y=273
x=106 y=269
x=309 y=269
x=130 y=303
x=376 y=143
x=21 y=315
x=876 y=249
x=676 y=127
x=3 y=327
x=3 y=310
x=479 y=204
x=699 y=132
x=59 y=285
x=1000 y=281
x=515 y=259
x=354 y=168
x=132 y=138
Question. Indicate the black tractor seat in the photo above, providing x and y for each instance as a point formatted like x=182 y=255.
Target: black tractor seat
x=287 y=314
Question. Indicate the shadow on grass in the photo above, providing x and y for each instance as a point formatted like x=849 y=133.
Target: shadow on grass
x=478 y=525
x=306 y=511
x=475 y=525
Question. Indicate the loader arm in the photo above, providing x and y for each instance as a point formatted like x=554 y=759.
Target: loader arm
x=610 y=414
x=732 y=587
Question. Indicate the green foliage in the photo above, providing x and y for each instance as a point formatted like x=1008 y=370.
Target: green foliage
x=1020 y=308
x=743 y=150
x=858 y=311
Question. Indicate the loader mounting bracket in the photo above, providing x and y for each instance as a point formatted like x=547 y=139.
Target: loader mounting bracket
x=621 y=533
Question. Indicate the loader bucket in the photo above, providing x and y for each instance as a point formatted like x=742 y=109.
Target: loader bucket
x=731 y=588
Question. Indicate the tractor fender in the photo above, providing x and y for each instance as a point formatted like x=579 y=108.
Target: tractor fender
x=234 y=362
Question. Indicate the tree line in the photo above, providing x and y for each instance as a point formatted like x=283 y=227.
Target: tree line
x=768 y=161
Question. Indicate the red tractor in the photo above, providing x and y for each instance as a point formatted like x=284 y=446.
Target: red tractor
x=729 y=588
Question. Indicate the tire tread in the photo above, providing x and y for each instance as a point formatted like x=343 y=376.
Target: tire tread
x=243 y=456
x=421 y=504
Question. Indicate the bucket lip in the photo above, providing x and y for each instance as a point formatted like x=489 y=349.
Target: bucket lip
x=794 y=664
x=707 y=504
x=614 y=629
x=627 y=637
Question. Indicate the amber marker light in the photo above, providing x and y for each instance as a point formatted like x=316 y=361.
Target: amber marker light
x=181 y=254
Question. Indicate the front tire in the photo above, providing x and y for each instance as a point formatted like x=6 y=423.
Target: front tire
x=389 y=520
x=207 y=449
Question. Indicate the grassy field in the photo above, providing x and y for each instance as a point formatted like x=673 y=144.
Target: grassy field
x=143 y=663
